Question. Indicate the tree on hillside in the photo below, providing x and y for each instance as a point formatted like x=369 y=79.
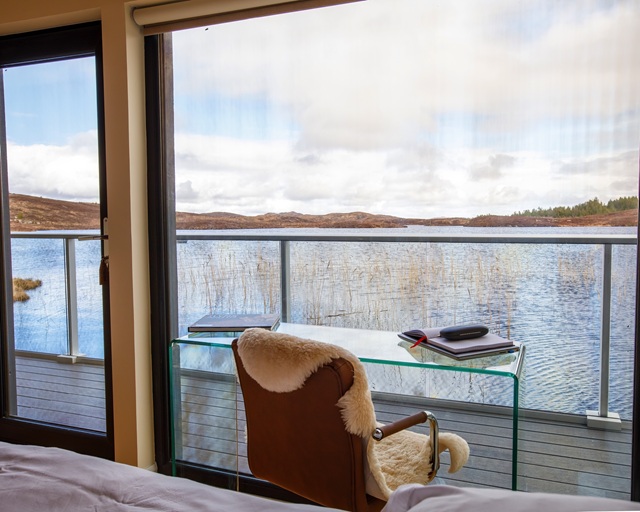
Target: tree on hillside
x=623 y=203
x=592 y=207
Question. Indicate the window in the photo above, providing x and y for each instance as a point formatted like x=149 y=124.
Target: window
x=420 y=110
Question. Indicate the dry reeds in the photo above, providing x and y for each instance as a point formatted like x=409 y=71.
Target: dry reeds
x=385 y=286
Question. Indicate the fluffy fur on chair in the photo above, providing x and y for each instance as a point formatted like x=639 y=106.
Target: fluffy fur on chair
x=282 y=363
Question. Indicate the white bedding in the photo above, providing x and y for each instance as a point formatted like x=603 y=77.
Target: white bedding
x=36 y=479
x=445 y=498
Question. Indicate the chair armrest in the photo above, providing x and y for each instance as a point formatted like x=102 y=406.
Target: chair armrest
x=421 y=417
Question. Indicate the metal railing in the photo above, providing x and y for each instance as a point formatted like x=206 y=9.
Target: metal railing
x=69 y=240
x=606 y=241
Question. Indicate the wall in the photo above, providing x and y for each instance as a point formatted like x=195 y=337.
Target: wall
x=126 y=175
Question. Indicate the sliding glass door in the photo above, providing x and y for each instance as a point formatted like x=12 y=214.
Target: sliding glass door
x=55 y=339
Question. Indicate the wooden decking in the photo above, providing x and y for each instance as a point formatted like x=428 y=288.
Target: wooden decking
x=560 y=456
x=66 y=394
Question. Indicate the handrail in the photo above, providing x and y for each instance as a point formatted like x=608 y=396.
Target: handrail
x=336 y=235
x=302 y=235
x=331 y=235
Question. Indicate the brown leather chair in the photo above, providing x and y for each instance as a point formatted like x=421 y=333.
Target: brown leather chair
x=298 y=440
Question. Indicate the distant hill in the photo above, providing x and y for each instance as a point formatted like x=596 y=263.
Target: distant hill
x=623 y=218
x=221 y=220
x=30 y=213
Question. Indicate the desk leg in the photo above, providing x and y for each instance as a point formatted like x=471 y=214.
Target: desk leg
x=514 y=457
x=175 y=405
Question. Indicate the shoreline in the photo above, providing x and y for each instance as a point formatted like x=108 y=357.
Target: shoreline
x=29 y=213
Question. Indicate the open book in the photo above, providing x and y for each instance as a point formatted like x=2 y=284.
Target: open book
x=462 y=349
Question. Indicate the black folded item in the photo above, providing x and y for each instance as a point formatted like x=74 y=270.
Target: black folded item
x=464 y=332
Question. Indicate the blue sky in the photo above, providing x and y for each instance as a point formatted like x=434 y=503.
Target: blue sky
x=51 y=129
x=37 y=94
x=433 y=108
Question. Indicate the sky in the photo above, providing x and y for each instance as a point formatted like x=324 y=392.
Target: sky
x=51 y=123
x=431 y=109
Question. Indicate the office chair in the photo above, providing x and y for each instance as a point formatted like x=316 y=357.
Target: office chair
x=311 y=425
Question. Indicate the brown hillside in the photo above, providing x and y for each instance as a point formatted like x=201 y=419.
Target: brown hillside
x=624 y=218
x=300 y=220
x=29 y=213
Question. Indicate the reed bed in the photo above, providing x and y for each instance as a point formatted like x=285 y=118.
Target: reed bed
x=519 y=291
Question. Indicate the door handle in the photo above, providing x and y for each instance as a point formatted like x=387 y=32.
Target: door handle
x=84 y=238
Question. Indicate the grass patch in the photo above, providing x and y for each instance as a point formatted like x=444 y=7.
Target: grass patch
x=21 y=286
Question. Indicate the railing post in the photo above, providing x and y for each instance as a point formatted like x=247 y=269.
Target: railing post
x=285 y=281
x=605 y=336
x=71 y=294
x=602 y=418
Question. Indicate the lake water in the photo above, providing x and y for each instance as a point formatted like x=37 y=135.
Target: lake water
x=547 y=296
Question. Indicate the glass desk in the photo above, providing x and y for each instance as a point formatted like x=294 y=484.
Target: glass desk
x=210 y=353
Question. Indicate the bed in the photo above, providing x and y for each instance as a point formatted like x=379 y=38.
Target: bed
x=37 y=479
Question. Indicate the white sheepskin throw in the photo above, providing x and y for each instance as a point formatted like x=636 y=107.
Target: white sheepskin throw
x=282 y=363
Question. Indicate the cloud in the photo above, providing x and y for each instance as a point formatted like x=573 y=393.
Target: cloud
x=606 y=177
x=355 y=77
x=493 y=169
x=424 y=157
x=185 y=192
x=68 y=172
x=254 y=176
x=309 y=159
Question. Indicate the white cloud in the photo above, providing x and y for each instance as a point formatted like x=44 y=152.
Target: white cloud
x=185 y=192
x=68 y=172
x=493 y=169
x=252 y=177
x=419 y=61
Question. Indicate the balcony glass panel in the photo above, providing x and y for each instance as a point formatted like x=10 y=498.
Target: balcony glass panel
x=41 y=320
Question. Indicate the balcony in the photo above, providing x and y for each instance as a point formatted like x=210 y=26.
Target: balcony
x=557 y=451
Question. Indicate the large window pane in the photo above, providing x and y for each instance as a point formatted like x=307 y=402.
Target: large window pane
x=438 y=110
x=53 y=176
x=463 y=112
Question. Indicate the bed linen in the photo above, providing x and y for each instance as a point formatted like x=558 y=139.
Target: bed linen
x=447 y=498
x=37 y=479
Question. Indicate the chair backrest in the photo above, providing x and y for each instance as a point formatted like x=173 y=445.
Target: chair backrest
x=297 y=440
